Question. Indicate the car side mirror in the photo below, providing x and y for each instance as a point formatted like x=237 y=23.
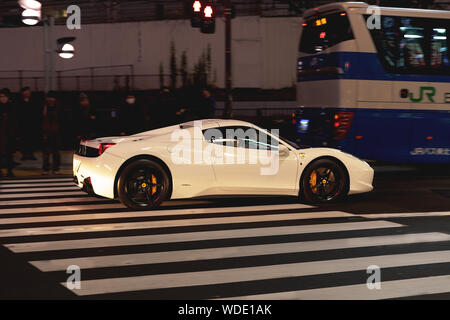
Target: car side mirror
x=283 y=150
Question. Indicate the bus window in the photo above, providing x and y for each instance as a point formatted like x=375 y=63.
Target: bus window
x=439 y=48
x=412 y=45
x=321 y=33
x=386 y=41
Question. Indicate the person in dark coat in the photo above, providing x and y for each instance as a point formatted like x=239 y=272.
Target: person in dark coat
x=29 y=113
x=208 y=105
x=131 y=116
x=51 y=137
x=165 y=109
x=7 y=132
x=87 y=120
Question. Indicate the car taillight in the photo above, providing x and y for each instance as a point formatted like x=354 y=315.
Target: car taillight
x=104 y=146
x=341 y=124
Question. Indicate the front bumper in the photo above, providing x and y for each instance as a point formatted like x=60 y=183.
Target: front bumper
x=361 y=179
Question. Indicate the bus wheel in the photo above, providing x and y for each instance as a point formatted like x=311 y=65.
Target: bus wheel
x=323 y=181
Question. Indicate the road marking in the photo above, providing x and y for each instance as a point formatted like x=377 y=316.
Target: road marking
x=389 y=290
x=149 y=213
x=185 y=279
x=35 y=185
x=20 y=190
x=169 y=223
x=61 y=209
x=196 y=236
x=404 y=215
x=41 y=194
x=234 y=252
x=18 y=181
x=51 y=201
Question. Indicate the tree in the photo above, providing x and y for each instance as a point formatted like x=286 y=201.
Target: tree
x=183 y=69
x=161 y=75
x=173 y=66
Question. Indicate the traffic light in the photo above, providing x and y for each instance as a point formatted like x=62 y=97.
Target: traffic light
x=196 y=14
x=208 y=18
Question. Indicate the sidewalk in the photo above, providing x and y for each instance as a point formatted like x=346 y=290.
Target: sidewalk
x=34 y=167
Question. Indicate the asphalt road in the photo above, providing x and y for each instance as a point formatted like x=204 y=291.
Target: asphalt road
x=257 y=248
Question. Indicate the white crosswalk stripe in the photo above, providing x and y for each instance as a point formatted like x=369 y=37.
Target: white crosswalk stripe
x=20 y=190
x=196 y=236
x=232 y=252
x=388 y=290
x=41 y=194
x=244 y=243
x=112 y=285
x=28 y=181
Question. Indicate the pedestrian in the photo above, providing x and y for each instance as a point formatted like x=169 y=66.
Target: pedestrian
x=208 y=105
x=131 y=116
x=7 y=133
x=28 y=115
x=165 y=109
x=87 y=120
x=51 y=129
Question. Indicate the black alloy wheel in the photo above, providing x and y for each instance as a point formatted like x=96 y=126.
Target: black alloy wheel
x=324 y=181
x=143 y=185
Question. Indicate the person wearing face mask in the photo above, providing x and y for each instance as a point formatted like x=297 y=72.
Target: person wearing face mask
x=51 y=137
x=131 y=116
x=7 y=133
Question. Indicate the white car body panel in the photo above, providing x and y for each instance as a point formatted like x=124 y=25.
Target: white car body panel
x=193 y=179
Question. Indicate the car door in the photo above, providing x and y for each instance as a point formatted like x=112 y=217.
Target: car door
x=253 y=162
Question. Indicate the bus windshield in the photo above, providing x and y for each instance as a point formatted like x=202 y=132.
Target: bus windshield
x=320 y=33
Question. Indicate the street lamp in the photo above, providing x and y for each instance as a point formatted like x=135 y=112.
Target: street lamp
x=30 y=4
x=31 y=17
x=65 y=49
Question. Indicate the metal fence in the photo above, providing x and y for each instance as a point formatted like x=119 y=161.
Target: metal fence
x=92 y=79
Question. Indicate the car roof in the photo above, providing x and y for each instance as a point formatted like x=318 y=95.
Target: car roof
x=213 y=123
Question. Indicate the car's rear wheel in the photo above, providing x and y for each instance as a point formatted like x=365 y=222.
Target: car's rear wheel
x=324 y=180
x=143 y=185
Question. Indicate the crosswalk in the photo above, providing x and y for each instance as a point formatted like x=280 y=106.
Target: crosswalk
x=211 y=249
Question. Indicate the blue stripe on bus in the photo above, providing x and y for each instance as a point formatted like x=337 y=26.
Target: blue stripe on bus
x=359 y=66
x=388 y=134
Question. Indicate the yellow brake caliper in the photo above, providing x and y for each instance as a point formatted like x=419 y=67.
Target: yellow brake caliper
x=313 y=181
x=154 y=181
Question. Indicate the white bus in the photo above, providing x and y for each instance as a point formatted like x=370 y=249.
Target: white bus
x=375 y=82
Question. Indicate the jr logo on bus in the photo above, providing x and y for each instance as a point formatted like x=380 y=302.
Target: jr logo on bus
x=428 y=92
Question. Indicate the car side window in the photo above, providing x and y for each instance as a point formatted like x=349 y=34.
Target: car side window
x=263 y=142
x=241 y=137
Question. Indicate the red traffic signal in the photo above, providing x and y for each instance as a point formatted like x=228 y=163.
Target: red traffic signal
x=208 y=12
x=196 y=14
x=208 y=19
x=197 y=6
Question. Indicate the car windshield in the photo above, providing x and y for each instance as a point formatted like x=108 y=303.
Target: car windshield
x=291 y=143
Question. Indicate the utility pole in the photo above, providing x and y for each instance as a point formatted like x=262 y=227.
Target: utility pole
x=49 y=54
x=228 y=111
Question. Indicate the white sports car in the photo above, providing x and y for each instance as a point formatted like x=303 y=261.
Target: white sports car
x=214 y=158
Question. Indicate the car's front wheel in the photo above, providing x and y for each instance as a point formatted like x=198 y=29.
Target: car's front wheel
x=324 y=180
x=143 y=185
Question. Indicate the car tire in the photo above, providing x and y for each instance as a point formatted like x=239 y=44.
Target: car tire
x=143 y=185
x=324 y=180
